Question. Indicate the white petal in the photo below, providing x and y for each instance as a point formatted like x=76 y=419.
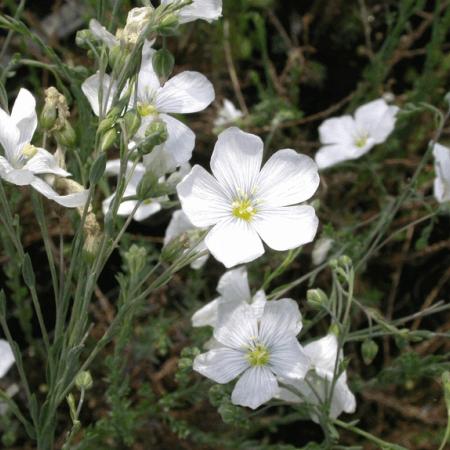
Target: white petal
x=323 y=353
x=287 y=178
x=377 y=118
x=343 y=399
x=286 y=227
x=146 y=210
x=24 y=116
x=44 y=162
x=179 y=224
x=321 y=249
x=9 y=137
x=288 y=359
x=258 y=303
x=112 y=167
x=221 y=364
x=207 y=315
x=208 y=10
x=202 y=198
x=256 y=386
x=239 y=330
x=102 y=34
x=233 y=286
x=16 y=176
x=94 y=88
x=281 y=318
x=233 y=241
x=148 y=81
x=442 y=168
x=187 y=92
x=69 y=201
x=6 y=357
x=338 y=130
x=236 y=161
x=330 y=155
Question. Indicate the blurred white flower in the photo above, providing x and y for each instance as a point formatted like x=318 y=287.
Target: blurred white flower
x=258 y=349
x=147 y=208
x=208 y=10
x=245 y=203
x=316 y=387
x=102 y=34
x=321 y=249
x=23 y=163
x=346 y=138
x=180 y=224
x=234 y=291
x=227 y=114
x=442 y=168
x=6 y=357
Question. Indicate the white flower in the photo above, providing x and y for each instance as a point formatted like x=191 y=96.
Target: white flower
x=227 y=114
x=323 y=355
x=23 y=163
x=102 y=34
x=260 y=350
x=245 y=203
x=180 y=224
x=442 y=168
x=208 y=10
x=346 y=138
x=147 y=208
x=234 y=291
x=321 y=249
x=6 y=357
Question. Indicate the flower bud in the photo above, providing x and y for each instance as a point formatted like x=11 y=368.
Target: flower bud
x=136 y=259
x=345 y=260
x=83 y=37
x=108 y=140
x=156 y=134
x=66 y=137
x=132 y=120
x=369 y=350
x=334 y=329
x=175 y=248
x=168 y=25
x=163 y=63
x=84 y=380
x=316 y=298
x=148 y=186
x=117 y=57
x=48 y=117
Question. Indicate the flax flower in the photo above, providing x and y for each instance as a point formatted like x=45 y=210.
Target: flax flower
x=442 y=168
x=234 y=291
x=350 y=137
x=244 y=203
x=258 y=350
x=316 y=387
x=24 y=164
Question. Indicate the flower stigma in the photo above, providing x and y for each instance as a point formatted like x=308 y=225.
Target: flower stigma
x=258 y=356
x=145 y=109
x=29 y=151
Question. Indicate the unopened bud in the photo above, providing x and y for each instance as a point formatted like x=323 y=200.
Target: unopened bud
x=163 y=62
x=334 y=329
x=83 y=37
x=156 y=134
x=175 y=248
x=66 y=137
x=117 y=57
x=48 y=117
x=168 y=25
x=369 y=350
x=132 y=120
x=316 y=298
x=147 y=187
x=345 y=260
x=84 y=380
x=136 y=259
x=108 y=140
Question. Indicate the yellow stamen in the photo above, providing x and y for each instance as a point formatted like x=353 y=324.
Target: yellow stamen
x=146 y=109
x=259 y=356
x=29 y=151
x=243 y=209
x=361 y=141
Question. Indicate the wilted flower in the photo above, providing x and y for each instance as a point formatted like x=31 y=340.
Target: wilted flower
x=316 y=387
x=24 y=163
x=245 y=203
x=260 y=349
x=179 y=225
x=346 y=138
x=208 y=10
x=6 y=357
x=227 y=114
x=442 y=168
x=234 y=291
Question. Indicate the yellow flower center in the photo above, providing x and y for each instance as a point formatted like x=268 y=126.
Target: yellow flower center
x=258 y=356
x=145 y=109
x=29 y=151
x=243 y=209
x=361 y=141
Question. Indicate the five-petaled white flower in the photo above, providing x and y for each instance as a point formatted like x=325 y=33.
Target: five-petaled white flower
x=186 y=92
x=23 y=163
x=258 y=349
x=346 y=138
x=6 y=357
x=315 y=388
x=234 y=291
x=245 y=203
x=147 y=208
x=227 y=114
x=208 y=10
x=179 y=224
x=442 y=167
